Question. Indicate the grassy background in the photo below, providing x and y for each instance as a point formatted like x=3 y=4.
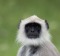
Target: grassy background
x=11 y=11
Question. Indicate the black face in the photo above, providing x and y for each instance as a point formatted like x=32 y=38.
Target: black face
x=32 y=30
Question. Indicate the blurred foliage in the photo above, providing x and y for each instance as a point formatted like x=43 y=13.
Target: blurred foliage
x=12 y=11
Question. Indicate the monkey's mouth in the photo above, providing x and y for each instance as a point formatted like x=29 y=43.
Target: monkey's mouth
x=32 y=36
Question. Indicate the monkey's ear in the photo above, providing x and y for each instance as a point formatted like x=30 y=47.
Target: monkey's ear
x=47 y=25
x=19 y=24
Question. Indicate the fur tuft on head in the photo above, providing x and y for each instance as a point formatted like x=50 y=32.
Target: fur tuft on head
x=44 y=36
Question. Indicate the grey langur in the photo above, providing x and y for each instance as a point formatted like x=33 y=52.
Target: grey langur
x=33 y=33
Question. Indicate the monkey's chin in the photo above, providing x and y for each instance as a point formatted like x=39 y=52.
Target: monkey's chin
x=31 y=41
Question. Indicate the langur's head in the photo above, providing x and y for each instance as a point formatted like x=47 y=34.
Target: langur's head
x=33 y=31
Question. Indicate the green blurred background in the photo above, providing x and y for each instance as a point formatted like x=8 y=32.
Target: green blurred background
x=12 y=11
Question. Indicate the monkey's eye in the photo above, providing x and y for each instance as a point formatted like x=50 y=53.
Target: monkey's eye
x=38 y=28
x=27 y=28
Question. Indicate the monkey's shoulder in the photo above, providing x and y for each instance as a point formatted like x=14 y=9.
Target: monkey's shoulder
x=48 y=49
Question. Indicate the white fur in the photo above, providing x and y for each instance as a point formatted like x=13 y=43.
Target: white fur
x=44 y=36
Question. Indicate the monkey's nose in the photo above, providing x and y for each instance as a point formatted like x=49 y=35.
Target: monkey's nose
x=32 y=30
